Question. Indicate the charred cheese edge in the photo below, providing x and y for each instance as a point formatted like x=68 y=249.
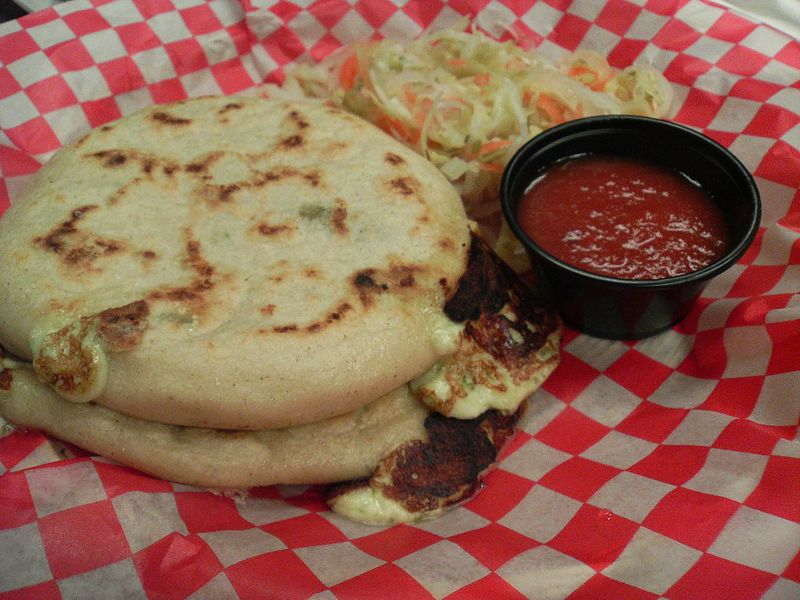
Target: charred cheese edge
x=507 y=346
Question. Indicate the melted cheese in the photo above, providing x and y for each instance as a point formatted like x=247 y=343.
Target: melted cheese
x=369 y=506
x=474 y=398
x=72 y=360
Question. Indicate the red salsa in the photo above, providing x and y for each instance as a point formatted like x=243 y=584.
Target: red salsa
x=623 y=218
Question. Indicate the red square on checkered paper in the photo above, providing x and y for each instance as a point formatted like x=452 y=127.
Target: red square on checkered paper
x=778 y=490
x=494 y=545
x=204 y=511
x=51 y=94
x=601 y=587
x=713 y=578
x=278 y=574
x=735 y=396
x=16 y=500
x=651 y=422
x=500 y=493
x=578 y=477
x=491 y=586
x=638 y=373
x=572 y=431
x=595 y=536
x=387 y=582
x=690 y=517
x=570 y=378
x=672 y=464
x=70 y=538
x=176 y=566
x=395 y=542
x=307 y=530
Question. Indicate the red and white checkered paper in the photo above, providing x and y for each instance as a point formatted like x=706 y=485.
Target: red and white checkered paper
x=664 y=468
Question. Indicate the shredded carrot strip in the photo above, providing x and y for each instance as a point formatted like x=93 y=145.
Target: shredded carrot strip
x=456 y=62
x=593 y=82
x=482 y=79
x=552 y=108
x=491 y=166
x=490 y=147
x=349 y=72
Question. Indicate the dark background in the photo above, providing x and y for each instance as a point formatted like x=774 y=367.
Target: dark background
x=9 y=10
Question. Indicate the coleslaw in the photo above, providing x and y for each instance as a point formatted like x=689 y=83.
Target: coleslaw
x=467 y=102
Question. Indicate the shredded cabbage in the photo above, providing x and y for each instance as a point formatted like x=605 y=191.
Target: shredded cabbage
x=467 y=102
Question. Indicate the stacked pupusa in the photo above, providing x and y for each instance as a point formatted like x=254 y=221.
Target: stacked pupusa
x=232 y=292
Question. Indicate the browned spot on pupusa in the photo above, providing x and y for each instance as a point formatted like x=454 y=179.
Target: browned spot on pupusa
x=166 y=118
x=112 y=158
x=298 y=119
x=147 y=164
x=6 y=379
x=370 y=283
x=267 y=310
x=123 y=327
x=196 y=292
x=393 y=159
x=291 y=142
x=329 y=319
x=273 y=230
x=229 y=107
x=404 y=186
x=339 y=217
x=202 y=165
x=218 y=193
x=77 y=248
x=426 y=476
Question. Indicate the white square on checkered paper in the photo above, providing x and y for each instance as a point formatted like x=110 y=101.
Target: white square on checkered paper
x=758 y=539
x=168 y=28
x=543 y=407
x=228 y=13
x=68 y=123
x=749 y=349
x=545 y=573
x=121 y=12
x=751 y=149
x=718 y=81
x=719 y=286
x=398 y=26
x=682 y=391
x=788 y=283
x=31 y=69
x=308 y=28
x=595 y=351
x=231 y=547
x=22 y=558
x=147 y=517
x=219 y=587
x=783 y=589
x=606 y=401
x=700 y=17
x=619 y=450
x=442 y=568
x=734 y=114
x=780 y=196
x=646 y=25
x=51 y=33
x=729 y=474
x=118 y=581
x=670 y=348
x=776 y=246
x=652 y=562
x=335 y=563
x=715 y=315
x=58 y=488
x=87 y=84
x=496 y=19
x=778 y=402
x=104 y=45
x=351 y=27
x=541 y=514
x=540 y=18
x=261 y=511
x=155 y=65
x=631 y=496
x=699 y=428
x=708 y=48
x=200 y=83
x=455 y=522
x=534 y=459
x=765 y=40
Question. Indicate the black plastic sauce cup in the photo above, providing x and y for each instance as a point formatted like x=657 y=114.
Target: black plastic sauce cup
x=632 y=308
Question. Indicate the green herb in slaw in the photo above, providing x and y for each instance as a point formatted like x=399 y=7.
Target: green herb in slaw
x=467 y=102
